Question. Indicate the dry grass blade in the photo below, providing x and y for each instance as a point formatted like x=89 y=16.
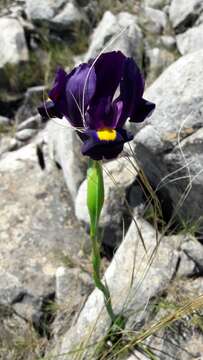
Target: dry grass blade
x=166 y=321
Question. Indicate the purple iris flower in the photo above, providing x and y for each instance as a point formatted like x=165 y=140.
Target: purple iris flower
x=87 y=97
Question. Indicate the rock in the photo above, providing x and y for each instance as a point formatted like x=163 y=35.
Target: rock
x=158 y=60
x=183 y=14
x=69 y=18
x=153 y=21
x=169 y=42
x=31 y=101
x=4 y=121
x=72 y=287
x=191 y=40
x=64 y=149
x=43 y=10
x=7 y=143
x=139 y=284
x=25 y=134
x=38 y=228
x=157 y=4
x=118 y=176
x=10 y=288
x=111 y=27
x=186 y=266
x=194 y=250
x=186 y=343
x=177 y=94
x=61 y=16
x=33 y=122
x=13 y=45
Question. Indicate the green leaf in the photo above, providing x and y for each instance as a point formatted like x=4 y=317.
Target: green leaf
x=95 y=193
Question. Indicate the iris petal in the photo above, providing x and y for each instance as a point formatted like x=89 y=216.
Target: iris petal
x=98 y=150
x=131 y=89
x=109 y=70
x=80 y=89
x=145 y=109
x=99 y=114
x=48 y=110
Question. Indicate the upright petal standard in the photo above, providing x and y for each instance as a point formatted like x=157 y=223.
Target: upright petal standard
x=86 y=98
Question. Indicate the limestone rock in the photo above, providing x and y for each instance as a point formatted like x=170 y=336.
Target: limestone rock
x=194 y=251
x=68 y=18
x=13 y=45
x=25 y=134
x=124 y=32
x=37 y=226
x=10 y=288
x=152 y=20
x=158 y=60
x=127 y=268
x=174 y=125
x=60 y=15
x=4 y=121
x=33 y=97
x=157 y=4
x=64 y=149
x=183 y=14
x=191 y=40
x=40 y=10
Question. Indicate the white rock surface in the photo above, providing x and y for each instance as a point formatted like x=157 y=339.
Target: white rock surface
x=191 y=40
x=64 y=149
x=124 y=32
x=43 y=9
x=140 y=282
x=177 y=94
x=69 y=17
x=13 y=49
x=157 y=4
x=153 y=21
x=184 y=12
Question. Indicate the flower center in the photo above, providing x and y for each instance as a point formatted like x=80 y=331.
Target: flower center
x=106 y=134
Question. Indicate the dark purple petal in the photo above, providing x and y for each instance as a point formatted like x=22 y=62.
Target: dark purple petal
x=97 y=149
x=104 y=114
x=59 y=85
x=144 y=110
x=80 y=89
x=131 y=89
x=109 y=69
x=48 y=110
x=58 y=94
x=99 y=114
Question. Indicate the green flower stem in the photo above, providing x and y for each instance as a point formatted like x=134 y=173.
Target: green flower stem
x=95 y=200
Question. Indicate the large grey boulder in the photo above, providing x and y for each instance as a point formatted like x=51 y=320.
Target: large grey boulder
x=40 y=10
x=37 y=224
x=132 y=283
x=157 y=4
x=184 y=13
x=153 y=21
x=13 y=48
x=169 y=146
x=68 y=18
x=123 y=32
x=64 y=149
x=60 y=15
x=158 y=59
x=191 y=40
x=10 y=288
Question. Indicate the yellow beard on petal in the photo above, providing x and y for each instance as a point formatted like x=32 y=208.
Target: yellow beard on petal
x=106 y=134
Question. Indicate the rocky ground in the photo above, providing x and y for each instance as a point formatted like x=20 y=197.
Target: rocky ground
x=48 y=307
